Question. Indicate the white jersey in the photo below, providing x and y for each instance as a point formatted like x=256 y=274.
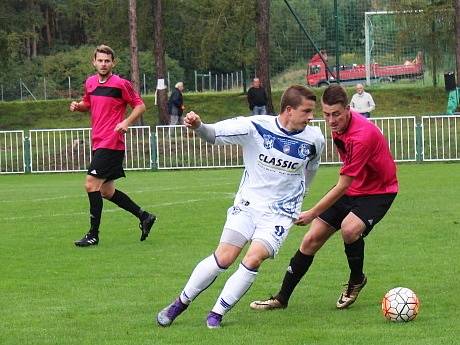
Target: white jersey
x=275 y=161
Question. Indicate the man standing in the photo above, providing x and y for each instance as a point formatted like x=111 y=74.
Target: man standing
x=281 y=156
x=176 y=104
x=365 y=190
x=257 y=98
x=362 y=101
x=106 y=96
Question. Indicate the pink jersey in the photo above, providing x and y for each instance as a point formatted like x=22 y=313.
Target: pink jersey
x=366 y=156
x=107 y=102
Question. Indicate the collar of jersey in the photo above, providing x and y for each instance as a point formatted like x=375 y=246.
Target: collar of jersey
x=285 y=131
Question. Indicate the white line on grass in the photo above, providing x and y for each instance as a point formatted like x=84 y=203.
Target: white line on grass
x=225 y=195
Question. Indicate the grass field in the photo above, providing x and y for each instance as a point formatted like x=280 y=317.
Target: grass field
x=54 y=293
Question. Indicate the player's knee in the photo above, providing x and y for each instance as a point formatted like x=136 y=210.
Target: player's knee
x=253 y=262
x=224 y=259
x=311 y=244
x=350 y=234
x=106 y=194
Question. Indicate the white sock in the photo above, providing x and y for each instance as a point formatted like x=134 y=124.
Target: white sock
x=235 y=287
x=202 y=276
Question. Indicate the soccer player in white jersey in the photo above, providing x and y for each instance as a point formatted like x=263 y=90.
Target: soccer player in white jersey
x=281 y=155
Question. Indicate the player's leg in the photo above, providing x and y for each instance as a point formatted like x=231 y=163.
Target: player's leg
x=93 y=186
x=204 y=274
x=299 y=264
x=366 y=212
x=114 y=170
x=239 y=282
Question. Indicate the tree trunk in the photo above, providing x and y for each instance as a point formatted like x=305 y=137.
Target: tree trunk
x=160 y=64
x=457 y=38
x=263 y=49
x=134 y=50
x=48 y=27
x=34 y=45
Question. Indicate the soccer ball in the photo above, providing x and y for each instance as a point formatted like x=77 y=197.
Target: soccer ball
x=400 y=305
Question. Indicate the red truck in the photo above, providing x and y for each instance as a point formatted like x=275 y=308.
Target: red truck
x=317 y=75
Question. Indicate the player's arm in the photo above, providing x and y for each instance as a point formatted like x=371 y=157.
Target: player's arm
x=136 y=113
x=79 y=106
x=326 y=201
x=204 y=131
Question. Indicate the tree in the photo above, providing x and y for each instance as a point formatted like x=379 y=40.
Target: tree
x=133 y=49
x=160 y=64
x=263 y=49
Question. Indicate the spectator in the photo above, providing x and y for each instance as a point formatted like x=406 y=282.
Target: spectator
x=257 y=98
x=362 y=101
x=176 y=104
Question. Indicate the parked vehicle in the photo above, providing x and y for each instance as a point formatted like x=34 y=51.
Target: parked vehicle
x=318 y=75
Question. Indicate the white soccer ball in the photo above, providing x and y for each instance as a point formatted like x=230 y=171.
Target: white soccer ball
x=400 y=305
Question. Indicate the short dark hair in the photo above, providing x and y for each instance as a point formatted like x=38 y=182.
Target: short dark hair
x=105 y=50
x=335 y=94
x=293 y=96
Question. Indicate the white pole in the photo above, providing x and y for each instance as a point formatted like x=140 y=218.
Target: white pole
x=196 y=82
x=367 y=48
x=20 y=86
x=169 y=83
x=70 y=91
x=44 y=87
x=145 y=86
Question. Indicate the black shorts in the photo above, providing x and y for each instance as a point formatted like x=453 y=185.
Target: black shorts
x=107 y=164
x=370 y=209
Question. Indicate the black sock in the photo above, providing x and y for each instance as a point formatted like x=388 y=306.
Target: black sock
x=122 y=200
x=95 y=210
x=298 y=266
x=355 y=257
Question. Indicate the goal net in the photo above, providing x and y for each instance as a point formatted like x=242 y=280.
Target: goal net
x=393 y=50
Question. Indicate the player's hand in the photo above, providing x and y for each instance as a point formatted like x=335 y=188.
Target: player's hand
x=192 y=120
x=305 y=218
x=74 y=106
x=122 y=127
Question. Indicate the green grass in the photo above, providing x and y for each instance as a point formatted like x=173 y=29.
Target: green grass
x=391 y=100
x=55 y=293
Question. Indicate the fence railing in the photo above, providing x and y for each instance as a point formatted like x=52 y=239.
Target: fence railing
x=441 y=138
x=12 y=152
x=427 y=138
x=180 y=148
x=66 y=150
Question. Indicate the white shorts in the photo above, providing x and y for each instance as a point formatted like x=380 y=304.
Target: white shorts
x=245 y=224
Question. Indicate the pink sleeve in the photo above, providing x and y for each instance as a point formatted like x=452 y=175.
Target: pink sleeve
x=356 y=157
x=86 y=99
x=130 y=95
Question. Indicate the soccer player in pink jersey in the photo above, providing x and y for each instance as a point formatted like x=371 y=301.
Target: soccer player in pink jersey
x=365 y=190
x=106 y=97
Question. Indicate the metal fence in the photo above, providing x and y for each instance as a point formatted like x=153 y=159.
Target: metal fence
x=410 y=138
x=66 y=150
x=11 y=152
x=180 y=148
x=441 y=137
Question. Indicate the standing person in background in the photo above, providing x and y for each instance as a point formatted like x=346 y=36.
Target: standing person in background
x=257 y=98
x=281 y=156
x=176 y=104
x=364 y=192
x=362 y=101
x=106 y=96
